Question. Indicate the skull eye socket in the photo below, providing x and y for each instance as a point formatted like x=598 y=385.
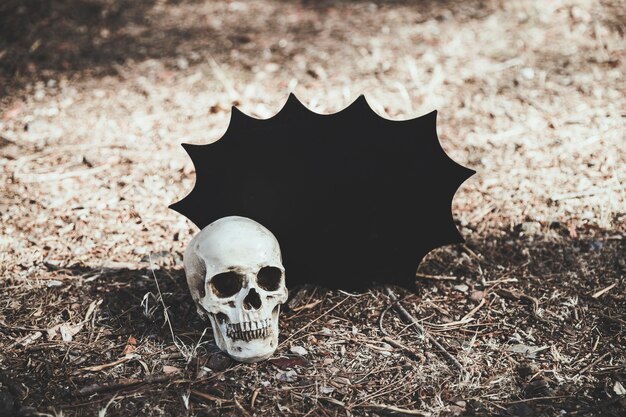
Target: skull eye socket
x=268 y=278
x=226 y=284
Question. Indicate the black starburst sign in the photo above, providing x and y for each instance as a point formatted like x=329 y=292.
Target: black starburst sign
x=351 y=197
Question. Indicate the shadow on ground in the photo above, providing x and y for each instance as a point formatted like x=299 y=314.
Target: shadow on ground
x=46 y=38
x=535 y=280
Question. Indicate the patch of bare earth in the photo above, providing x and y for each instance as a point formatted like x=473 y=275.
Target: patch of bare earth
x=97 y=95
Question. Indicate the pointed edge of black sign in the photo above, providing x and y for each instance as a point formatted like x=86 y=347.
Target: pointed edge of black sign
x=238 y=119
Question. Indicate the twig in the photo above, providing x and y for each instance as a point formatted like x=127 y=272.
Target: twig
x=306 y=306
x=604 y=291
x=405 y=348
x=254 y=395
x=409 y=318
x=103 y=411
x=392 y=386
x=596 y=407
x=226 y=82
x=97 y=368
x=592 y=364
x=167 y=316
x=206 y=396
x=26 y=340
x=586 y=193
x=124 y=384
x=56 y=176
x=517 y=295
x=381 y=318
x=394 y=409
x=473 y=311
x=528 y=400
x=313 y=321
x=436 y=277
x=243 y=411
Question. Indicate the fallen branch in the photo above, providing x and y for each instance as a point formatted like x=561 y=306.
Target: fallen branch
x=436 y=277
x=124 y=384
x=592 y=364
x=394 y=409
x=97 y=368
x=405 y=348
x=409 y=318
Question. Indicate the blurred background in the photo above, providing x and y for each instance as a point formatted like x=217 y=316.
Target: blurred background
x=96 y=97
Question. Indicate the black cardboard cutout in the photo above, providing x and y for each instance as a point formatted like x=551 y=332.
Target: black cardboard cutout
x=351 y=197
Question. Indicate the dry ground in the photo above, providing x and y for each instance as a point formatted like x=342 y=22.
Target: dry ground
x=97 y=95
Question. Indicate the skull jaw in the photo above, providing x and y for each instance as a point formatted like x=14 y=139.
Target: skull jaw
x=246 y=351
x=250 y=352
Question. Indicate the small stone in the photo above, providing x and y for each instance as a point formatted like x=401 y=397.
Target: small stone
x=477 y=295
x=202 y=372
x=289 y=376
x=527 y=369
x=272 y=67
x=596 y=245
x=219 y=361
x=461 y=288
x=529 y=228
x=299 y=350
x=528 y=73
x=555 y=224
x=521 y=410
x=182 y=63
x=456 y=410
x=537 y=388
x=527 y=350
x=325 y=331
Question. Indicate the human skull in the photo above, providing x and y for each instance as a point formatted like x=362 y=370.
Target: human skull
x=236 y=277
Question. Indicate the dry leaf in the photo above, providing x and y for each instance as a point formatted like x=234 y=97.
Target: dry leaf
x=288 y=362
x=131 y=346
x=27 y=340
x=65 y=331
x=171 y=369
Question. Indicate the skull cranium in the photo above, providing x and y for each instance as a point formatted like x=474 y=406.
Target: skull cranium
x=235 y=275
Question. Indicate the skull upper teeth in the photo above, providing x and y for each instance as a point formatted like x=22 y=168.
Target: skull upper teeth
x=248 y=330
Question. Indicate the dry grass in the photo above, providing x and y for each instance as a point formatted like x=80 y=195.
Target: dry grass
x=97 y=96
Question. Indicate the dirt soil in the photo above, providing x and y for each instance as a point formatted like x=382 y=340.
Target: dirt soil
x=96 y=97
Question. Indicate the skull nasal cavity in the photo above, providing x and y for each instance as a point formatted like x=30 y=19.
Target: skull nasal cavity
x=252 y=300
